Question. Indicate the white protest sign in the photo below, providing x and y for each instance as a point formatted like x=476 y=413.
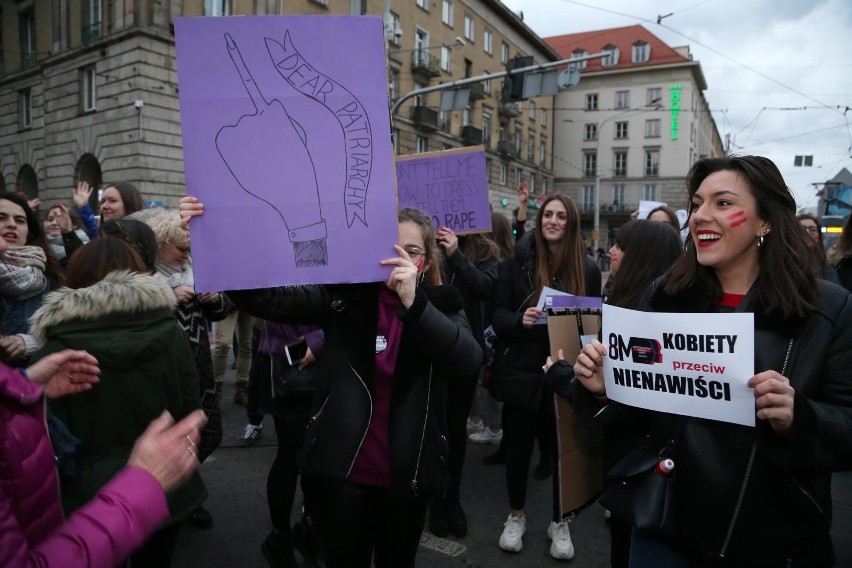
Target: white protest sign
x=543 y=302
x=688 y=364
x=645 y=207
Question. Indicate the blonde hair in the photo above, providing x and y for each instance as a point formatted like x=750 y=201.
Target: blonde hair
x=166 y=226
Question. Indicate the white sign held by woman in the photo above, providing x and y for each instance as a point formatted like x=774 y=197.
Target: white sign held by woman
x=688 y=364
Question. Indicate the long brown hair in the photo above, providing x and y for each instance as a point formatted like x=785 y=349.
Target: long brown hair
x=501 y=233
x=431 y=254
x=566 y=264
x=98 y=258
x=817 y=249
x=786 y=285
x=36 y=237
x=478 y=247
x=130 y=196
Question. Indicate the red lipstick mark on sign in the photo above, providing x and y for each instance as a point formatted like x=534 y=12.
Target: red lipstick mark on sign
x=740 y=218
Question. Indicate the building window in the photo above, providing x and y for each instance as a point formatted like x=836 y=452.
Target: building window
x=611 y=56
x=396 y=29
x=544 y=117
x=393 y=84
x=447 y=13
x=423 y=4
x=652 y=162
x=27 y=34
x=542 y=153
x=532 y=110
x=519 y=176
x=592 y=102
x=25 y=104
x=486 y=127
x=466 y=116
x=588 y=196
x=532 y=184
x=652 y=128
x=486 y=86
x=620 y=161
x=444 y=120
x=590 y=131
x=641 y=52
x=422 y=145
x=358 y=7
x=650 y=192
x=618 y=194
x=622 y=99
x=590 y=164
x=88 y=89
x=504 y=173
x=216 y=7
x=544 y=186
x=531 y=147
x=654 y=96
x=620 y=130
x=579 y=64
x=504 y=52
x=488 y=41
x=395 y=140
x=447 y=58
x=56 y=24
x=469 y=28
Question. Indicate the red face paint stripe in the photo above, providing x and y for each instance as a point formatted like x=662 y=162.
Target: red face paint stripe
x=739 y=222
x=735 y=215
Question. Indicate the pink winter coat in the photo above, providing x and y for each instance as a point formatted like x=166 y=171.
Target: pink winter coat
x=102 y=533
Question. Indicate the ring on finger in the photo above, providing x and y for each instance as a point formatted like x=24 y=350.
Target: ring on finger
x=190 y=450
x=191 y=443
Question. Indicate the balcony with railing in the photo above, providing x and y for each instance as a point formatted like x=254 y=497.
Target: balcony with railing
x=424 y=118
x=507 y=148
x=511 y=109
x=425 y=64
x=477 y=91
x=471 y=136
x=91 y=32
x=614 y=209
x=620 y=172
x=28 y=60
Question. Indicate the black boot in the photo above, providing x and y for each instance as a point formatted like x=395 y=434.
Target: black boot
x=457 y=518
x=278 y=551
x=439 y=522
x=307 y=540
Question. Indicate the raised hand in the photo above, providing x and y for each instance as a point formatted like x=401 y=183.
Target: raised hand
x=81 y=194
x=447 y=238
x=169 y=451
x=403 y=278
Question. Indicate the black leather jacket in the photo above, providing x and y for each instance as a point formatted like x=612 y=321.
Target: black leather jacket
x=784 y=483
x=436 y=346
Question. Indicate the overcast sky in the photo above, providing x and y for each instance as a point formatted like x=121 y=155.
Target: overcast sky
x=758 y=56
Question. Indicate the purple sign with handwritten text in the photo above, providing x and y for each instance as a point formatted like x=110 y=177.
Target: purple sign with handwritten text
x=451 y=186
x=285 y=139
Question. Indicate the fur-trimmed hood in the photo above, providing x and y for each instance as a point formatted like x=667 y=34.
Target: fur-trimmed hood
x=120 y=292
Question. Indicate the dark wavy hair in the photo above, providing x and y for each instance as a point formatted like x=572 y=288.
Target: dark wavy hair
x=786 y=285
x=432 y=254
x=650 y=249
x=566 y=263
x=673 y=220
x=130 y=196
x=36 y=237
x=817 y=250
x=138 y=235
x=97 y=258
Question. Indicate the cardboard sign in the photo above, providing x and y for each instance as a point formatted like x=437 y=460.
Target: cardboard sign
x=688 y=364
x=581 y=451
x=285 y=138
x=451 y=186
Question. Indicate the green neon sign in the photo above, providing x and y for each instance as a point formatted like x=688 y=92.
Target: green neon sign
x=674 y=104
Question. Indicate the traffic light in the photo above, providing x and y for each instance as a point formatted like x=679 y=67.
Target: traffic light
x=513 y=86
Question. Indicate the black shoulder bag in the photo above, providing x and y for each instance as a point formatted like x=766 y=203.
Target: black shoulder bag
x=287 y=380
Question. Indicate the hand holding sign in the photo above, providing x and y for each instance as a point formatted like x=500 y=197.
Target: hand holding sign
x=447 y=238
x=531 y=315
x=589 y=368
x=774 y=398
x=268 y=155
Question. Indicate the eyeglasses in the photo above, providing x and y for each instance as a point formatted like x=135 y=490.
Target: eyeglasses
x=415 y=254
x=811 y=229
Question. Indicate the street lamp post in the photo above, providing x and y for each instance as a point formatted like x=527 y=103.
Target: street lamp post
x=596 y=231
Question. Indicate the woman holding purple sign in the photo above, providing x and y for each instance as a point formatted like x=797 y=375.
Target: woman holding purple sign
x=376 y=443
x=752 y=496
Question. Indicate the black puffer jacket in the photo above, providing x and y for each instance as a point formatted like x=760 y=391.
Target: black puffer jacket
x=785 y=514
x=436 y=346
x=513 y=294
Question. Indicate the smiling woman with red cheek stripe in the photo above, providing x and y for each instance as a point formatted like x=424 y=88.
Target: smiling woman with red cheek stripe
x=753 y=496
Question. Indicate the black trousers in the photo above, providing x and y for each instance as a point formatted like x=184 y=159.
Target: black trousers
x=158 y=551
x=459 y=399
x=284 y=473
x=519 y=432
x=361 y=523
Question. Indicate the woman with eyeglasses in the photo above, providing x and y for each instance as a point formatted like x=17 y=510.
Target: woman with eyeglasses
x=376 y=444
x=761 y=495
x=813 y=230
x=550 y=256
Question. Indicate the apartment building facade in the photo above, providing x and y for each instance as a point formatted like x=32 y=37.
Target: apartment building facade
x=632 y=127
x=88 y=89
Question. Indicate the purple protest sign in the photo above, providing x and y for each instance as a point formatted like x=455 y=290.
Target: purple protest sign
x=451 y=186
x=285 y=141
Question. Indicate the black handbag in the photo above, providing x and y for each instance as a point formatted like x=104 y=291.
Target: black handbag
x=508 y=383
x=287 y=380
x=640 y=489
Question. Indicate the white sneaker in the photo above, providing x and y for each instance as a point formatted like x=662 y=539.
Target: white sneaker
x=474 y=427
x=486 y=436
x=513 y=532
x=561 y=548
